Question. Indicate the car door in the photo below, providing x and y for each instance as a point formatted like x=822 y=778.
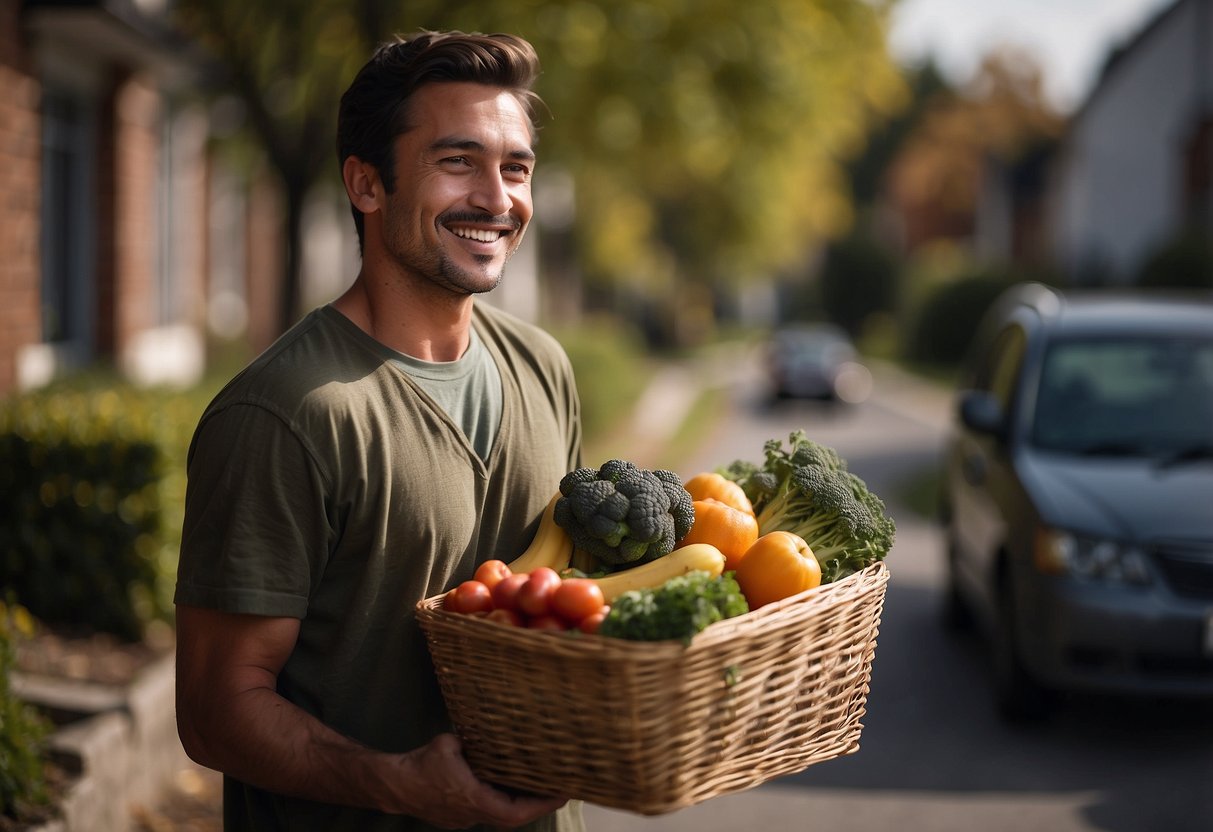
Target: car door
x=981 y=469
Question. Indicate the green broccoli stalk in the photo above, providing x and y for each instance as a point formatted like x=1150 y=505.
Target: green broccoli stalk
x=808 y=491
x=622 y=514
x=678 y=609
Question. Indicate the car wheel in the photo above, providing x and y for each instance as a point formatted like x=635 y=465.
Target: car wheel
x=1018 y=695
x=957 y=616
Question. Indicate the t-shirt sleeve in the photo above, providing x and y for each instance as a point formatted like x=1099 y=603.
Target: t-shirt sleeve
x=256 y=534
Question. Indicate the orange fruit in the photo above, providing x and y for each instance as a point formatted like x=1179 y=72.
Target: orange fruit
x=778 y=565
x=712 y=486
x=729 y=529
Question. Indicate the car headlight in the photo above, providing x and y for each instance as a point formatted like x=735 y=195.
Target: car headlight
x=1058 y=552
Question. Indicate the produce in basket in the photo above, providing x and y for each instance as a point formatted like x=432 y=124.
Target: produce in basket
x=696 y=557
x=710 y=485
x=551 y=546
x=622 y=514
x=678 y=609
x=729 y=529
x=539 y=600
x=807 y=490
x=778 y=565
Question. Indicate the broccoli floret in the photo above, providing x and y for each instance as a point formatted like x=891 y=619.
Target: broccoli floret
x=623 y=514
x=678 y=609
x=758 y=484
x=681 y=505
x=806 y=489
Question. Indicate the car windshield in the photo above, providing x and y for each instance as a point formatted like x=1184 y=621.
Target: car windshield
x=1144 y=396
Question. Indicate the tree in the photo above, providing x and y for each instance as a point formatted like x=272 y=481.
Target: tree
x=288 y=63
x=707 y=140
x=1002 y=115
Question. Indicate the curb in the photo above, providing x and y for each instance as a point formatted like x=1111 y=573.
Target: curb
x=121 y=749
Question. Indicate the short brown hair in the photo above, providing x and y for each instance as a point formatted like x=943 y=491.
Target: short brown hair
x=374 y=109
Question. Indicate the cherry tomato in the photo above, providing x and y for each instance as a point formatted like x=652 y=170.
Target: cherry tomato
x=592 y=622
x=469 y=597
x=504 y=616
x=577 y=598
x=535 y=596
x=505 y=594
x=491 y=572
x=545 y=622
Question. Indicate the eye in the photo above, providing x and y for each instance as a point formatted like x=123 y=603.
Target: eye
x=516 y=172
x=461 y=161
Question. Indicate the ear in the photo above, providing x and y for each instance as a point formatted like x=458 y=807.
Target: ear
x=361 y=184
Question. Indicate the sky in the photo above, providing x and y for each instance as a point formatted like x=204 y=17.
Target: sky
x=1070 y=38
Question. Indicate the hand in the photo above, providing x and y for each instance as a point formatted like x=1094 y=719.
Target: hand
x=446 y=793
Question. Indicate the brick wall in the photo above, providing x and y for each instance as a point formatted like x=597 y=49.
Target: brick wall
x=20 y=162
x=129 y=188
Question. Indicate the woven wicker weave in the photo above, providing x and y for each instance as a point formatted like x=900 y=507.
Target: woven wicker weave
x=655 y=726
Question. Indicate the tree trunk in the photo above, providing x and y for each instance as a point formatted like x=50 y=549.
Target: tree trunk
x=292 y=274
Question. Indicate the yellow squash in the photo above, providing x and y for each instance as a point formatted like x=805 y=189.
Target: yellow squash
x=696 y=556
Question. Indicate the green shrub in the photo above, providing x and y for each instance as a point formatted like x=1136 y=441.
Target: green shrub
x=23 y=731
x=859 y=279
x=94 y=490
x=611 y=367
x=1185 y=262
x=947 y=320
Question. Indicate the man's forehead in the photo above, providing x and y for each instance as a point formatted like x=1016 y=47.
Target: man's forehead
x=461 y=108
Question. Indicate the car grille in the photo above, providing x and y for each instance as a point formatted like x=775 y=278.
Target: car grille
x=1188 y=570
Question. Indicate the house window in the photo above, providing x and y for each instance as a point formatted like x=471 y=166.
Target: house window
x=66 y=220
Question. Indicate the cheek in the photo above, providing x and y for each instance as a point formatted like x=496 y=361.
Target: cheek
x=523 y=206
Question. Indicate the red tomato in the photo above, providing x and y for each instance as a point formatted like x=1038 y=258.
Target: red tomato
x=505 y=594
x=545 y=622
x=592 y=622
x=503 y=616
x=469 y=597
x=576 y=599
x=535 y=597
x=491 y=572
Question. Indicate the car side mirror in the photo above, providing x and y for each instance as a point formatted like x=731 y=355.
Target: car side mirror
x=980 y=411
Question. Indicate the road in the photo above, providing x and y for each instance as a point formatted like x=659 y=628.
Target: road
x=934 y=755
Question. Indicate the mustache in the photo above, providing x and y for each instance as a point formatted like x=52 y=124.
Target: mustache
x=481 y=217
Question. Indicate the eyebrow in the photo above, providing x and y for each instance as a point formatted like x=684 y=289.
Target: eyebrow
x=455 y=143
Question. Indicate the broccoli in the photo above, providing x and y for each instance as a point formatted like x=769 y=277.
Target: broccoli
x=807 y=490
x=622 y=514
x=678 y=609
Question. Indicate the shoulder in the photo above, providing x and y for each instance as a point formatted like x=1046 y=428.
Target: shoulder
x=316 y=368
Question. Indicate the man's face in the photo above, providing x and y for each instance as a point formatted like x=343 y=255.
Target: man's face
x=463 y=186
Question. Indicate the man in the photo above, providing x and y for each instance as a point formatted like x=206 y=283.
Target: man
x=375 y=455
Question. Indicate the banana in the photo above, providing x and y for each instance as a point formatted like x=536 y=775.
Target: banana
x=692 y=557
x=551 y=545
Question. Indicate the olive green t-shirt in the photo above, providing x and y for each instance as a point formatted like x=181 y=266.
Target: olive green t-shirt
x=326 y=485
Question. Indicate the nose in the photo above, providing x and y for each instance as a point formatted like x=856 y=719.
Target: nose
x=492 y=193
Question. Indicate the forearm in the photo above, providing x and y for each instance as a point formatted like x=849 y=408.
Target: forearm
x=265 y=741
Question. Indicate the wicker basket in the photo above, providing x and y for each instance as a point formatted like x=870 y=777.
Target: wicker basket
x=655 y=726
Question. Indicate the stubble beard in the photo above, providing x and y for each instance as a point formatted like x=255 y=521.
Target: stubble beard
x=464 y=282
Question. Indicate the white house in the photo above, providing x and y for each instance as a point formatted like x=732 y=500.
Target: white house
x=1137 y=163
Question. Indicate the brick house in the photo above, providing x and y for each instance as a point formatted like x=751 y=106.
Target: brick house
x=122 y=239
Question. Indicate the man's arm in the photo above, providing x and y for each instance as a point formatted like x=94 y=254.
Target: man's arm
x=231 y=718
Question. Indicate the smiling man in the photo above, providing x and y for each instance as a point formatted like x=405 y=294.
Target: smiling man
x=384 y=447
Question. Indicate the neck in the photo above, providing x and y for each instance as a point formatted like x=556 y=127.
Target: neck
x=412 y=317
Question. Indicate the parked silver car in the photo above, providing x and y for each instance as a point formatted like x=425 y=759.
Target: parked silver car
x=1078 y=494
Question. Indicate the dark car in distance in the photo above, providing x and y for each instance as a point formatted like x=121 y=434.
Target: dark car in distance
x=1077 y=495
x=816 y=361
